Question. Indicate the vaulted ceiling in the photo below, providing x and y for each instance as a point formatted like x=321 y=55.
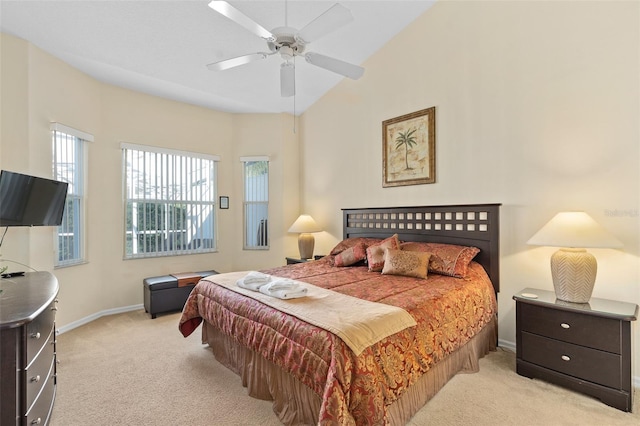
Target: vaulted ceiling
x=162 y=47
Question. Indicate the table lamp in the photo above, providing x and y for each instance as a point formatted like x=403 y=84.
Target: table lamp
x=573 y=269
x=305 y=225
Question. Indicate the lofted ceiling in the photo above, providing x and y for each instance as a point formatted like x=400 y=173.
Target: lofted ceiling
x=162 y=47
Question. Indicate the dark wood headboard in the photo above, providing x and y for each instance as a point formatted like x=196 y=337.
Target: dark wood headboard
x=475 y=225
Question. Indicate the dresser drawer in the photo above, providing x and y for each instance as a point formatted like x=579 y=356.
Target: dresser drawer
x=38 y=330
x=40 y=411
x=585 y=363
x=40 y=370
x=595 y=332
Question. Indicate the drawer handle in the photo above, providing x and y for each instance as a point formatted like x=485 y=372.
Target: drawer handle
x=565 y=325
x=54 y=308
x=565 y=358
x=35 y=335
x=35 y=379
x=36 y=421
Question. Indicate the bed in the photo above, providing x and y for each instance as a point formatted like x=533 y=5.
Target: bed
x=316 y=373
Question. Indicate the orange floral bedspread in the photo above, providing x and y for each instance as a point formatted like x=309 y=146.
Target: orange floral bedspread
x=354 y=389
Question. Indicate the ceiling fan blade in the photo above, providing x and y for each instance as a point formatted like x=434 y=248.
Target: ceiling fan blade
x=335 y=17
x=336 y=65
x=287 y=80
x=235 y=62
x=225 y=9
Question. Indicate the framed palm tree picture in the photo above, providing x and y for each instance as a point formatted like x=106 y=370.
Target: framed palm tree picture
x=409 y=149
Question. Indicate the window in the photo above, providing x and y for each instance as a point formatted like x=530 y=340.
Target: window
x=68 y=166
x=169 y=202
x=256 y=202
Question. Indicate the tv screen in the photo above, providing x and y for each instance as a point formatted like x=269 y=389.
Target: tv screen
x=30 y=201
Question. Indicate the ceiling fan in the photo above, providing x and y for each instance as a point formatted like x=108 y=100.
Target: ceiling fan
x=289 y=43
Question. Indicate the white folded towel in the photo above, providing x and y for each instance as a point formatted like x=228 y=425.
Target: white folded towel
x=284 y=289
x=256 y=277
x=253 y=280
x=283 y=284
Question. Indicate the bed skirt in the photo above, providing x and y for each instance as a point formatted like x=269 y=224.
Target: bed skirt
x=295 y=404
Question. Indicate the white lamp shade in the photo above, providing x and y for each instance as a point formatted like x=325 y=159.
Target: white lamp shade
x=574 y=229
x=305 y=224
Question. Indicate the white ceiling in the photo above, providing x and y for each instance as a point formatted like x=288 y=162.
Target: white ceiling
x=162 y=47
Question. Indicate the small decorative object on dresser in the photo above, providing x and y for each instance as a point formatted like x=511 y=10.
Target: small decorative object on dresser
x=27 y=348
x=583 y=347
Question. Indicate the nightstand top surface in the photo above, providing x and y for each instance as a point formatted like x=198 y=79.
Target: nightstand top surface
x=600 y=307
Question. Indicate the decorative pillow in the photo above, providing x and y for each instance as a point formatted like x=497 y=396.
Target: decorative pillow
x=351 y=255
x=375 y=253
x=350 y=242
x=407 y=263
x=446 y=259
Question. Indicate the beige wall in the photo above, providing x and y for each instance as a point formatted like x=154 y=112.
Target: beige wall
x=38 y=89
x=537 y=108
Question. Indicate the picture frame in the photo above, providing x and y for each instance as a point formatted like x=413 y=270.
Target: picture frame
x=224 y=202
x=409 y=149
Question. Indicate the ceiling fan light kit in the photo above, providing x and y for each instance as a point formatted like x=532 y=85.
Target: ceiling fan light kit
x=287 y=80
x=289 y=43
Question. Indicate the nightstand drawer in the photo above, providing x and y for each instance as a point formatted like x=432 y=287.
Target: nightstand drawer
x=586 y=330
x=588 y=364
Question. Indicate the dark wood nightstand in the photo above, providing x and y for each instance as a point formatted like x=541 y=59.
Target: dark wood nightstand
x=585 y=347
x=293 y=260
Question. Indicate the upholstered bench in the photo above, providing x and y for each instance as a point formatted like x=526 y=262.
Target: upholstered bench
x=169 y=293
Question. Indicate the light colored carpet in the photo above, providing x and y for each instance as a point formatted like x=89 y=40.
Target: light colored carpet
x=127 y=369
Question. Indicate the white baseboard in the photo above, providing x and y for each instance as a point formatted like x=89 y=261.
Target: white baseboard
x=93 y=317
x=507 y=345
x=512 y=346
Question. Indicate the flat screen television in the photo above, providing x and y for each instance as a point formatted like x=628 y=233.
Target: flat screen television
x=31 y=201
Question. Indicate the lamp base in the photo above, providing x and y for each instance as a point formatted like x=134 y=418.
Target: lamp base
x=574 y=274
x=305 y=245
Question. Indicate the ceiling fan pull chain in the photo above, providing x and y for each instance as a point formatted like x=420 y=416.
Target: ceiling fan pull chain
x=294 y=95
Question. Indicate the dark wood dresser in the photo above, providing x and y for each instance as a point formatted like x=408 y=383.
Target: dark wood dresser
x=585 y=347
x=28 y=348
